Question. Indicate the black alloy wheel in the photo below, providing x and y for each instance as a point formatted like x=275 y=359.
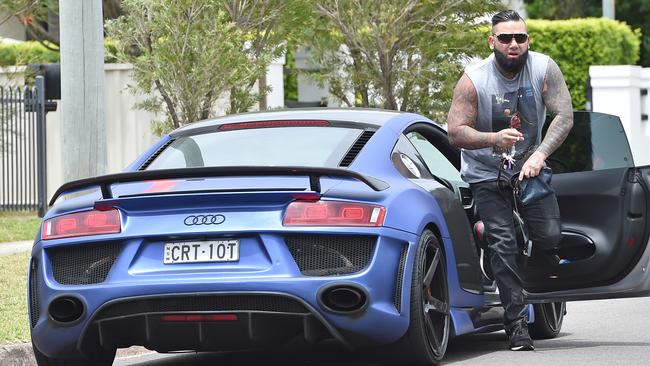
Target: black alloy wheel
x=425 y=341
x=548 y=320
x=435 y=299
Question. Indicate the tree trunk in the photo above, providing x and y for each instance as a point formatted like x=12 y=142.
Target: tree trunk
x=233 y=101
x=262 y=88
x=361 y=87
x=386 y=81
x=365 y=101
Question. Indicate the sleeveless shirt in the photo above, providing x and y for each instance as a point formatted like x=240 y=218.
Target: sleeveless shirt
x=505 y=103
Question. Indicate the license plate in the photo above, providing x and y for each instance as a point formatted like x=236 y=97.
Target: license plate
x=201 y=251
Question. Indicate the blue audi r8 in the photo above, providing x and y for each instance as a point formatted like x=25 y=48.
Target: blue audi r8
x=260 y=229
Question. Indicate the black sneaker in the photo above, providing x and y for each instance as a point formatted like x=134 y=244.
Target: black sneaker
x=519 y=337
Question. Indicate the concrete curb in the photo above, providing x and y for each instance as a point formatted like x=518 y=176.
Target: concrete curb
x=17 y=355
x=22 y=355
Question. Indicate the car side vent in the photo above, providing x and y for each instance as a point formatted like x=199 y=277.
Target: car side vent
x=400 y=279
x=466 y=197
x=356 y=148
x=33 y=293
x=155 y=155
x=83 y=264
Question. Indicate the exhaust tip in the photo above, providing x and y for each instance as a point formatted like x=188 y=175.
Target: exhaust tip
x=343 y=298
x=66 y=309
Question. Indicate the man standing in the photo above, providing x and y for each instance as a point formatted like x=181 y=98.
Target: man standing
x=496 y=117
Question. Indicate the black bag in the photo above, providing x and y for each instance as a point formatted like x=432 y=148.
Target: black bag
x=530 y=190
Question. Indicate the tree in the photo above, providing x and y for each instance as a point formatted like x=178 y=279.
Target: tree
x=270 y=25
x=633 y=12
x=193 y=52
x=402 y=55
x=41 y=17
x=636 y=13
x=563 y=9
x=35 y=16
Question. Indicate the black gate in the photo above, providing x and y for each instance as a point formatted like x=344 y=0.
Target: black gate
x=22 y=148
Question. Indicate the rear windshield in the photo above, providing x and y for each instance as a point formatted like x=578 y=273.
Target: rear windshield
x=280 y=146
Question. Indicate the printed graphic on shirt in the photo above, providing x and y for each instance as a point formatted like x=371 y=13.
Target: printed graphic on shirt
x=517 y=110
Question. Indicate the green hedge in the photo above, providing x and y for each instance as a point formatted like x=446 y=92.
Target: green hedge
x=32 y=52
x=575 y=44
x=25 y=53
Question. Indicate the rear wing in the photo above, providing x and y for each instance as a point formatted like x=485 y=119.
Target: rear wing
x=104 y=182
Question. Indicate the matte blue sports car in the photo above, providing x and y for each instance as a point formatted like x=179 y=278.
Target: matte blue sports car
x=260 y=229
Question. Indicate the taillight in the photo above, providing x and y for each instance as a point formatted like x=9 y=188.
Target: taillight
x=277 y=123
x=333 y=213
x=82 y=224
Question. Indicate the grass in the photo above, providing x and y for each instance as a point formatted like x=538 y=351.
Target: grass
x=18 y=226
x=14 y=321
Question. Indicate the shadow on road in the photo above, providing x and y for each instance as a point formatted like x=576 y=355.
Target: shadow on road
x=553 y=345
x=473 y=346
x=322 y=355
x=464 y=348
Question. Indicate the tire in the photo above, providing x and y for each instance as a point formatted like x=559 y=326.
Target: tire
x=105 y=358
x=425 y=341
x=548 y=320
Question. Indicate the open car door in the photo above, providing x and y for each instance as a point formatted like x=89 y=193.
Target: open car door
x=604 y=204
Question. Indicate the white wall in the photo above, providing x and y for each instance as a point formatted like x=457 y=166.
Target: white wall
x=128 y=129
x=616 y=90
x=12 y=28
x=275 y=79
x=308 y=90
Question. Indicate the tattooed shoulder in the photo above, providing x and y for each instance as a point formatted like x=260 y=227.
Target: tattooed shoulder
x=555 y=92
x=464 y=104
x=558 y=103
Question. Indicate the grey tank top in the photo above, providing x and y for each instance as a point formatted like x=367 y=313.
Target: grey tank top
x=504 y=103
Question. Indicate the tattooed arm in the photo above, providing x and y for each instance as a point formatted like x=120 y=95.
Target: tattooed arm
x=558 y=103
x=461 y=122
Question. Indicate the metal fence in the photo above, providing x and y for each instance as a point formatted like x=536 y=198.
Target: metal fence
x=22 y=148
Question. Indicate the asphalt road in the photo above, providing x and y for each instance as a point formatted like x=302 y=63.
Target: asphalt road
x=606 y=332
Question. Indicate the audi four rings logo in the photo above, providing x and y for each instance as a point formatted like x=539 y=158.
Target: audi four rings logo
x=204 y=220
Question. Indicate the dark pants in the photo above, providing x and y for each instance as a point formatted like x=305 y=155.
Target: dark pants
x=542 y=218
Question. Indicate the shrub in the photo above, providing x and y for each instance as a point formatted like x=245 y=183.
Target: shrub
x=576 y=44
x=25 y=53
x=32 y=52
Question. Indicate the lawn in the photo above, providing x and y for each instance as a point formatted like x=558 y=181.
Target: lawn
x=18 y=226
x=14 y=321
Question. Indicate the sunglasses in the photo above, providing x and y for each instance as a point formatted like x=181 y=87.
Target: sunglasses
x=506 y=38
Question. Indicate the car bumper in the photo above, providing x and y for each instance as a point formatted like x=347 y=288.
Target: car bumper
x=137 y=277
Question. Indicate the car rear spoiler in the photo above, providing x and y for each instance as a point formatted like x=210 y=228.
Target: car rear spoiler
x=314 y=173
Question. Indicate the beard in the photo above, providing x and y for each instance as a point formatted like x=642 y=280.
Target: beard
x=511 y=65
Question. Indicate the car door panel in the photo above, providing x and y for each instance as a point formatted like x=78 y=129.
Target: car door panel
x=596 y=220
x=604 y=204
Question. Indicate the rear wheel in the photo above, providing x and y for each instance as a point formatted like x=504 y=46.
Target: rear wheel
x=103 y=358
x=548 y=320
x=425 y=341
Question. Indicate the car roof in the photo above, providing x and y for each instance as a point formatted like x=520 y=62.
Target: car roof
x=360 y=115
